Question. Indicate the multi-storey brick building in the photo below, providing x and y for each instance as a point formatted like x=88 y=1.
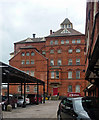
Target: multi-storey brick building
x=57 y=59
x=92 y=48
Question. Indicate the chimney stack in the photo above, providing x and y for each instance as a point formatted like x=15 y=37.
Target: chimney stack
x=34 y=35
x=51 y=32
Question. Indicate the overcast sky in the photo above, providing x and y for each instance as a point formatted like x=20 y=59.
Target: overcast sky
x=19 y=19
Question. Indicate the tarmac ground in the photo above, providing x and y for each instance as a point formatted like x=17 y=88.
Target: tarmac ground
x=47 y=110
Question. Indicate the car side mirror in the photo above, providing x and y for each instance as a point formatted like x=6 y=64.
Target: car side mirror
x=68 y=108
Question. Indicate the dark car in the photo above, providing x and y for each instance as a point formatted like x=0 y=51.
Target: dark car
x=33 y=98
x=80 y=108
x=12 y=102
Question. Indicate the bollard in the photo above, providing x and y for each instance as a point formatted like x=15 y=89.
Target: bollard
x=9 y=108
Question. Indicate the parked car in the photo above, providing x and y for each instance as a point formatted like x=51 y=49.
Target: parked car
x=1 y=114
x=21 y=100
x=12 y=102
x=33 y=98
x=79 y=108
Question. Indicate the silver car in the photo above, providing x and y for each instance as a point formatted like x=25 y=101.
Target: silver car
x=21 y=100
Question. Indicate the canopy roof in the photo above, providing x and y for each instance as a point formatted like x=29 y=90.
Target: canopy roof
x=14 y=75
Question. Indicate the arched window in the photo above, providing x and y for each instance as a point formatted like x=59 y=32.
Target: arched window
x=77 y=89
x=77 y=50
x=32 y=53
x=23 y=54
x=27 y=54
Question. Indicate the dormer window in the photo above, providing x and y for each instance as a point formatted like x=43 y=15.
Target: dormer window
x=65 y=31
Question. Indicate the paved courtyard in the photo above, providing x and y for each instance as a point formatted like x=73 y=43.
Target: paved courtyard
x=47 y=110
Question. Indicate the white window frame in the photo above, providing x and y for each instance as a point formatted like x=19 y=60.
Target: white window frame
x=78 y=40
x=77 y=88
x=77 y=50
x=77 y=61
x=62 y=42
x=19 y=88
x=43 y=52
x=59 y=62
x=51 y=62
x=32 y=62
x=27 y=72
x=67 y=41
x=27 y=62
x=32 y=53
x=69 y=74
x=77 y=74
x=32 y=73
x=73 y=41
x=27 y=88
x=27 y=54
x=57 y=74
x=56 y=42
x=70 y=50
x=51 y=42
x=52 y=51
x=35 y=89
x=69 y=88
x=52 y=74
x=70 y=62
x=22 y=54
x=22 y=62
x=59 y=51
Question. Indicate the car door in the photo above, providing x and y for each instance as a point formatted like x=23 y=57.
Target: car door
x=67 y=110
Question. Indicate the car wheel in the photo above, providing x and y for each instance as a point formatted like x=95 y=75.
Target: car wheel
x=15 y=105
x=59 y=117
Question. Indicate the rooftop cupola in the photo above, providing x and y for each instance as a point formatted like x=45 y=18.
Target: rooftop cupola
x=66 y=24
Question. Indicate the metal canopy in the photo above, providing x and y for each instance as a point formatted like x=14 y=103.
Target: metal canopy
x=16 y=75
x=11 y=75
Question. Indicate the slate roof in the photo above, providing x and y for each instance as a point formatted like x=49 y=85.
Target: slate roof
x=66 y=21
x=60 y=33
x=28 y=40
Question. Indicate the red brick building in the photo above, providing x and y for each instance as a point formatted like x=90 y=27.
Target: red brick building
x=92 y=48
x=58 y=59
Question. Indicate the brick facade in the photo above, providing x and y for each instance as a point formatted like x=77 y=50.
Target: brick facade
x=51 y=61
x=92 y=48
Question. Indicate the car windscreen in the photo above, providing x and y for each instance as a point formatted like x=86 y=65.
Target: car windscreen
x=78 y=105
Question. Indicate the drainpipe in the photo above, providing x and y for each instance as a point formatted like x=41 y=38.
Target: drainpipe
x=47 y=76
